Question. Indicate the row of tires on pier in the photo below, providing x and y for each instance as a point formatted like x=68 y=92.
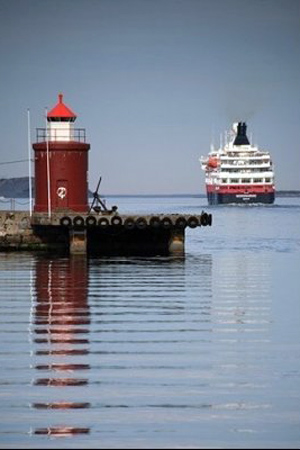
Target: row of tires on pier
x=130 y=223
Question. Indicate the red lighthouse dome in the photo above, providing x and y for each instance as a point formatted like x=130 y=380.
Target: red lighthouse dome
x=61 y=163
x=61 y=112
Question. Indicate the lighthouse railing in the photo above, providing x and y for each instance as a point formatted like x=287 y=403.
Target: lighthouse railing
x=61 y=134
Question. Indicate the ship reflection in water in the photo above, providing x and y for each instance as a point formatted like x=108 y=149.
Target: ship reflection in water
x=60 y=331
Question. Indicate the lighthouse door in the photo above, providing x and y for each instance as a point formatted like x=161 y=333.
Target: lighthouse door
x=61 y=194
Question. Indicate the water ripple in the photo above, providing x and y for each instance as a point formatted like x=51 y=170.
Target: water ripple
x=158 y=352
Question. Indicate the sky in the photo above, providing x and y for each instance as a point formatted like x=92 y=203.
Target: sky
x=154 y=82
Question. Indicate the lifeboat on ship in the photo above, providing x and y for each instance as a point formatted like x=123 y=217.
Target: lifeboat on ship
x=212 y=163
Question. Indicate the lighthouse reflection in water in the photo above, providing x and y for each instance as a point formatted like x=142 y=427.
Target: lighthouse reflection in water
x=61 y=344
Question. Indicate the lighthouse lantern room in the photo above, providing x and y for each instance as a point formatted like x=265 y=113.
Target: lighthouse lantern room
x=61 y=163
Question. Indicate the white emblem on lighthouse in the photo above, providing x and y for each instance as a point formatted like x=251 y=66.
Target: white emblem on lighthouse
x=61 y=192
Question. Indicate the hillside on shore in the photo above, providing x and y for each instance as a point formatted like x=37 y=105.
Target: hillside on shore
x=15 y=187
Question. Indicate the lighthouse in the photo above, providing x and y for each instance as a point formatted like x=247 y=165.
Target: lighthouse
x=61 y=163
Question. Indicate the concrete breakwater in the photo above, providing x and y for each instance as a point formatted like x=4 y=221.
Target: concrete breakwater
x=103 y=234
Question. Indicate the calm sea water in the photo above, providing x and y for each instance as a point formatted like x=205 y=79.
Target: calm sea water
x=199 y=352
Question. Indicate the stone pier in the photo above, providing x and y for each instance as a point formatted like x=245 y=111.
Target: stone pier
x=98 y=234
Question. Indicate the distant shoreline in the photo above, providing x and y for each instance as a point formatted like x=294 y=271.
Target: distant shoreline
x=19 y=188
x=279 y=194
x=201 y=195
x=287 y=193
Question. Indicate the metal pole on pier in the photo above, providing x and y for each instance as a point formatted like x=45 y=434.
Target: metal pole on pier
x=29 y=162
x=48 y=167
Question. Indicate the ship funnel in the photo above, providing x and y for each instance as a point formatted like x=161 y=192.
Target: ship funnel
x=241 y=137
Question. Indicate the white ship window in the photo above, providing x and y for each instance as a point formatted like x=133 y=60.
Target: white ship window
x=245 y=180
x=257 y=180
x=268 y=180
x=234 y=180
x=224 y=180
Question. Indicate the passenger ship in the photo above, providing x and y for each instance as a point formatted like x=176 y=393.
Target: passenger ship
x=238 y=172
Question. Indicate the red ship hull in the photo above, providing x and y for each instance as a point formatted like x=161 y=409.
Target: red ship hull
x=217 y=195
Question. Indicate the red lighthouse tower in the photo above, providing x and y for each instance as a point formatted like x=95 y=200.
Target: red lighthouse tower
x=61 y=163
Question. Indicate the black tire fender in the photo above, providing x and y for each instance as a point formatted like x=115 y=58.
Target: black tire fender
x=91 y=221
x=116 y=221
x=166 y=223
x=129 y=223
x=103 y=222
x=193 y=222
x=155 y=222
x=181 y=222
x=206 y=219
x=141 y=223
x=78 y=221
x=65 y=221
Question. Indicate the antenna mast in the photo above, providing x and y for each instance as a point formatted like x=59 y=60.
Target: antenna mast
x=29 y=162
x=48 y=167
